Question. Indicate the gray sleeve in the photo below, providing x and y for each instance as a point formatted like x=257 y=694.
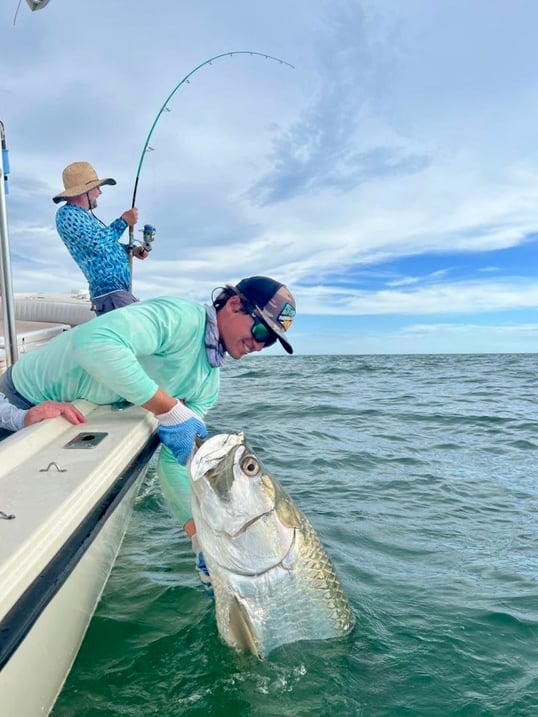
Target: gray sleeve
x=11 y=417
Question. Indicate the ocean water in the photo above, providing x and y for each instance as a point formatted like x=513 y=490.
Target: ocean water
x=420 y=475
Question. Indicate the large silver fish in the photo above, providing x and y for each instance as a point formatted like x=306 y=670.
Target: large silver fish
x=273 y=580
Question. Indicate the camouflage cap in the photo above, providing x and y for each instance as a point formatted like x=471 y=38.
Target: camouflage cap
x=272 y=302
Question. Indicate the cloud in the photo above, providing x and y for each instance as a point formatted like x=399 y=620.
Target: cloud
x=319 y=151
x=393 y=173
x=463 y=297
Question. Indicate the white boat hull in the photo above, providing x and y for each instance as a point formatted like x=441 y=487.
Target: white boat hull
x=57 y=553
x=32 y=680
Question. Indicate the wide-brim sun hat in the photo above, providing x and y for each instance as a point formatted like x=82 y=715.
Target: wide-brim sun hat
x=79 y=178
x=272 y=302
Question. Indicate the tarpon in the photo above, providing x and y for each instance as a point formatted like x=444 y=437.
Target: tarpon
x=272 y=578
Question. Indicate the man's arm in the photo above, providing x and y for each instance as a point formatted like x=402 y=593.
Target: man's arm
x=53 y=409
x=81 y=231
x=13 y=418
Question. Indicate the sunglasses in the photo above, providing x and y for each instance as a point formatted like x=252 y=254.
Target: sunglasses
x=261 y=332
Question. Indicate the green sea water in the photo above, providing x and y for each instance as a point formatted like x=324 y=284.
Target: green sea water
x=420 y=475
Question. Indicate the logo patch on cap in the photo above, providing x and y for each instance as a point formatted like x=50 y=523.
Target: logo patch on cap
x=286 y=316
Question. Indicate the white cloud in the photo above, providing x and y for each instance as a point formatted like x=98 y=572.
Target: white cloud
x=399 y=150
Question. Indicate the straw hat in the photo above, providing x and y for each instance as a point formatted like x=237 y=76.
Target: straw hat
x=79 y=178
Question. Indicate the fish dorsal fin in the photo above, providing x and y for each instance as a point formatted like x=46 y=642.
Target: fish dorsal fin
x=241 y=628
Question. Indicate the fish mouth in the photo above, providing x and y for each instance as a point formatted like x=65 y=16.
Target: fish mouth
x=228 y=516
x=221 y=479
x=209 y=453
x=243 y=529
x=287 y=558
x=282 y=557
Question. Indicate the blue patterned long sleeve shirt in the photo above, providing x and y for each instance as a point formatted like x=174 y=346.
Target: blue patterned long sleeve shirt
x=96 y=248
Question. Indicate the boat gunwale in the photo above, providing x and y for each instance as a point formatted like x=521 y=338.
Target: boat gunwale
x=26 y=611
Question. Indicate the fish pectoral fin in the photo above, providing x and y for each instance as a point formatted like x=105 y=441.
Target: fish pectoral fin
x=241 y=628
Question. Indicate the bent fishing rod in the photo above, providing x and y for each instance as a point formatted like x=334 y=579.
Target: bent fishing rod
x=149 y=230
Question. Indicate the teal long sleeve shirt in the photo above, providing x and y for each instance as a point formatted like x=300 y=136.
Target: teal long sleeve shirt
x=128 y=354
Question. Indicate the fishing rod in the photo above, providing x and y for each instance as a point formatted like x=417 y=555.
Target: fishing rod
x=148 y=229
x=32 y=4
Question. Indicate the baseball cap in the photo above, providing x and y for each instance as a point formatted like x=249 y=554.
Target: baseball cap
x=272 y=302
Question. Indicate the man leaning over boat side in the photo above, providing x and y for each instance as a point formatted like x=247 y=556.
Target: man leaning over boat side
x=96 y=247
x=13 y=418
x=165 y=355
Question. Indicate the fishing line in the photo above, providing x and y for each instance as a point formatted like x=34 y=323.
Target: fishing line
x=16 y=13
x=164 y=108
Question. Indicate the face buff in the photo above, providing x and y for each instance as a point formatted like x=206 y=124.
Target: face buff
x=213 y=346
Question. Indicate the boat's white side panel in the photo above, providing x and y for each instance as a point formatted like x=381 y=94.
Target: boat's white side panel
x=49 y=505
x=72 y=309
x=49 y=508
x=32 y=680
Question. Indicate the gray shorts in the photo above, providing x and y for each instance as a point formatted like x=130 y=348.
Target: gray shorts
x=115 y=300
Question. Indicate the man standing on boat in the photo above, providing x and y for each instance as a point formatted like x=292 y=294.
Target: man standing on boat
x=94 y=246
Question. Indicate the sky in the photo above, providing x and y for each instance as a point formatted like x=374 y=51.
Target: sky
x=389 y=178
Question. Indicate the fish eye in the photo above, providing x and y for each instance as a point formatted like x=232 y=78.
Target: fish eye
x=250 y=466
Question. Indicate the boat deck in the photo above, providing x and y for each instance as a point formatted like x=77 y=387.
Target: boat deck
x=30 y=335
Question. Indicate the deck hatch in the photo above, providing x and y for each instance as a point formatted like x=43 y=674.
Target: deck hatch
x=86 y=439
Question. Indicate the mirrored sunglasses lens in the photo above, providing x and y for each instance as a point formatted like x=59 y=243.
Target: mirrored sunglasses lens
x=260 y=331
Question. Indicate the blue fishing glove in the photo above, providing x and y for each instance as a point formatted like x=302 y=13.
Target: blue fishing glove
x=177 y=430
